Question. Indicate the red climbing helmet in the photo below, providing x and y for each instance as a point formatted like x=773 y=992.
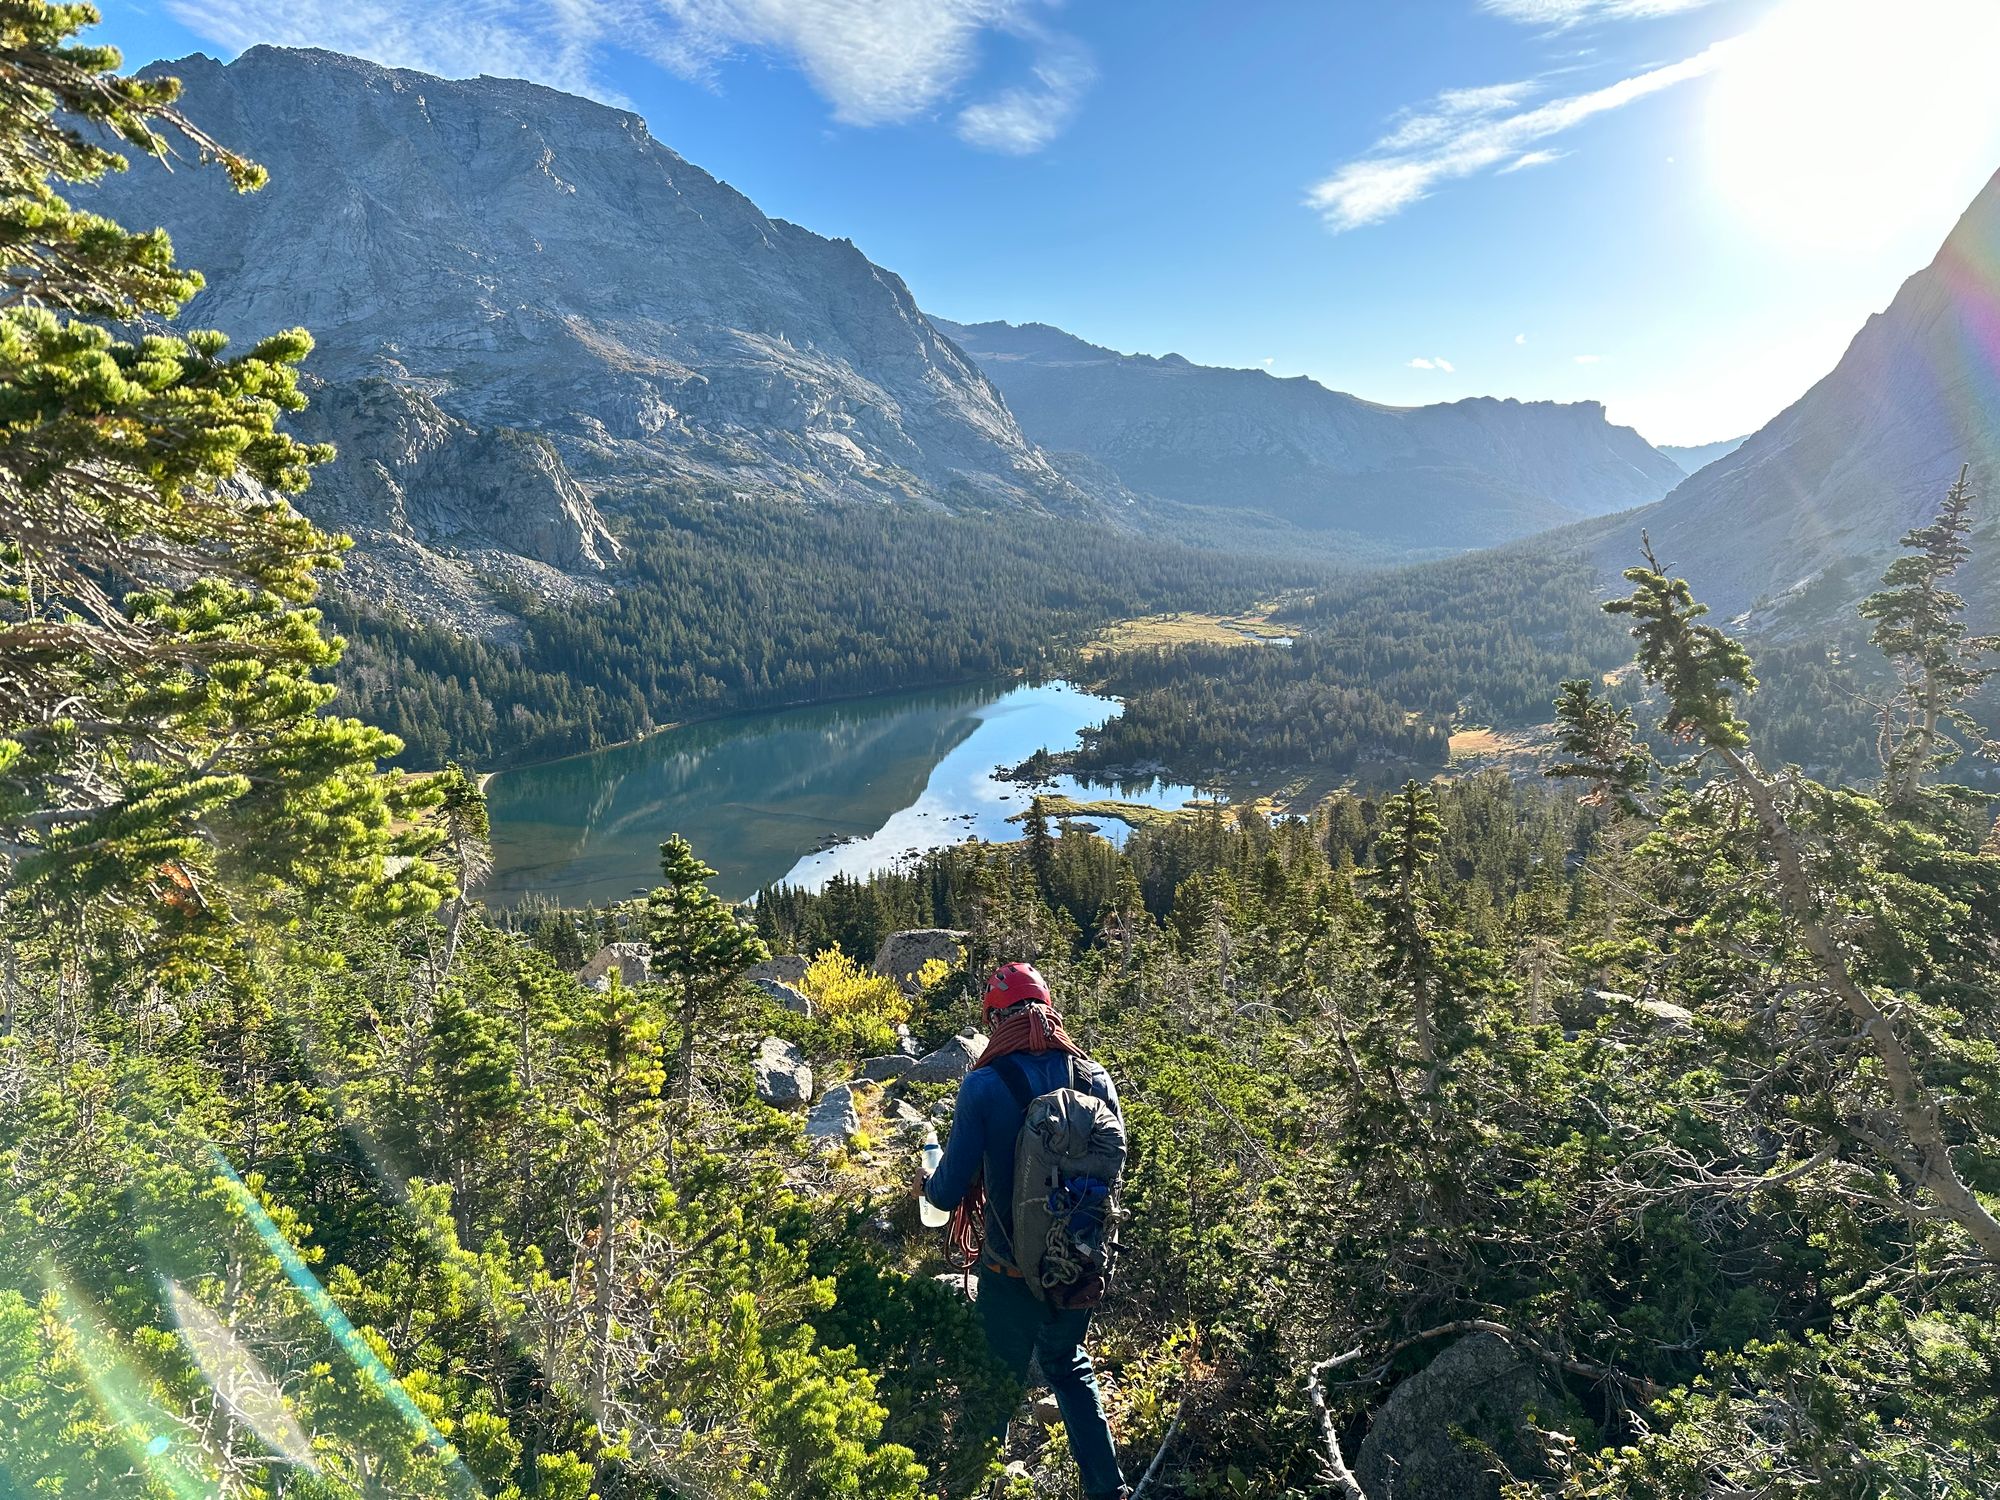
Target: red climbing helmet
x=1010 y=984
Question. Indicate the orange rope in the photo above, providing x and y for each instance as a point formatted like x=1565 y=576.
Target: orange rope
x=1027 y=1027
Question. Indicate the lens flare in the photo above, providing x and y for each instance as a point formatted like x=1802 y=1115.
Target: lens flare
x=148 y=1433
x=337 y=1324
x=238 y=1379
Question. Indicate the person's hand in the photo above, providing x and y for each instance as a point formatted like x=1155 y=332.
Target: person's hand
x=918 y=1182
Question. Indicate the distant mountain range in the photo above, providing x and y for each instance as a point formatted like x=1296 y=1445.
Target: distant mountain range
x=1799 y=521
x=1455 y=475
x=527 y=308
x=1694 y=459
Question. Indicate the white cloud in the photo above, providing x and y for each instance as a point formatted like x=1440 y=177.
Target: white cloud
x=1423 y=124
x=1420 y=363
x=1267 y=363
x=1532 y=159
x=1590 y=359
x=1563 y=14
x=1021 y=120
x=1520 y=338
x=875 y=62
x=556 y=47
x=1438 y=145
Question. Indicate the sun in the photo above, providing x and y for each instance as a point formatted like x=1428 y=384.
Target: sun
x=1835 y=125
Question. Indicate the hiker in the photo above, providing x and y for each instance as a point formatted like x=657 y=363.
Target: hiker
x=1028 y=1055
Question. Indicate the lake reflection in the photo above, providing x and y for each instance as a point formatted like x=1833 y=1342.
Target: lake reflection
x=756 y=794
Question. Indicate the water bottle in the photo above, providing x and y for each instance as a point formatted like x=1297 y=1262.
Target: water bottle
x=931 y=1216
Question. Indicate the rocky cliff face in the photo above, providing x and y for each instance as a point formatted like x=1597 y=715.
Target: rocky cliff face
x=1804 y=515
x=1461 y=474
x=524 y=303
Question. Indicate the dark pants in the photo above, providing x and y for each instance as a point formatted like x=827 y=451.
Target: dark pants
x=1020 y=1326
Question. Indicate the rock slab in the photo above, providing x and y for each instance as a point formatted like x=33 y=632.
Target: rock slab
x=902 y=954
x=778 y=991
x=949 y=1063
x=784 y=1077
x=631 y=962
x=1424 y=1443
x=786 y=968
x=834 y=1121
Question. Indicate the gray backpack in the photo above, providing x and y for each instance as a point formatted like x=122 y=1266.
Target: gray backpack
x=1068 y=1160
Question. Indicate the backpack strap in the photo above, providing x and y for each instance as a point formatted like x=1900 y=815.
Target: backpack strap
x=1015 y=1076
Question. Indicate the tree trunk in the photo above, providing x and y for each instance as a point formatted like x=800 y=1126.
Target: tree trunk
x=1930 y=1169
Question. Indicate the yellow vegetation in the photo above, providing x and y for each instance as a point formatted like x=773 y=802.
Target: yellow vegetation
x=1476 y=742
x=1133 y=814
x=1186 y=630
x=1477 y=749
x=860 y=1005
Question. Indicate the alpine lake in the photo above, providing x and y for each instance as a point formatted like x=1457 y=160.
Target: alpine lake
x=796 y=795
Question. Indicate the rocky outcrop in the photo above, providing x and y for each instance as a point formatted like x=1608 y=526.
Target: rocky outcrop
x=1426 y=1442
x=779 y=992
x=903 y=955
x=835 y=1120
x=783 y=1076
x=907 y=1118
x=1660 y=1015
x=442 y=512
x=631 y=962
x=785 y=968
x=949 y=1063
x=408 y=469
x=524 y=304
x=1454 y=475
x=885 y=1069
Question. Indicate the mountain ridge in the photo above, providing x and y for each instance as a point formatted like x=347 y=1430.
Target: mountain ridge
x=1694 y=457
x=1799 y=521
x=502 y=256
x=1485 y=469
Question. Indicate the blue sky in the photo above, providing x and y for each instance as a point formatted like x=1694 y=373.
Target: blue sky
x=1683 y=208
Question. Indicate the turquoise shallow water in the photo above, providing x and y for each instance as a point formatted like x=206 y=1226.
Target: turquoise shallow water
x=757 y=794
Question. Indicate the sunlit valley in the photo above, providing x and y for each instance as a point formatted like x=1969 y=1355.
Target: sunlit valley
x=542 y=702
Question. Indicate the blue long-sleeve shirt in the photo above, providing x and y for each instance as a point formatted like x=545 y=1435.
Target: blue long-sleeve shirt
x=984 y=1124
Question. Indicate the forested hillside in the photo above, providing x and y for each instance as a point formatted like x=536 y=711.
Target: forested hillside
x=739 y=604
x=1386 y=665
x=1628 y=1135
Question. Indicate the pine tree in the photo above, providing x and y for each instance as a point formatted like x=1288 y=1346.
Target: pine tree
x=1828 y=868
x=701 y=948
x=464 y=828
x=1041 y=847
x=618 y=1107
x=1601 y=742
x=471 y=1092
x=162 y=746
x=1411 y=836
x=1920 y=627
